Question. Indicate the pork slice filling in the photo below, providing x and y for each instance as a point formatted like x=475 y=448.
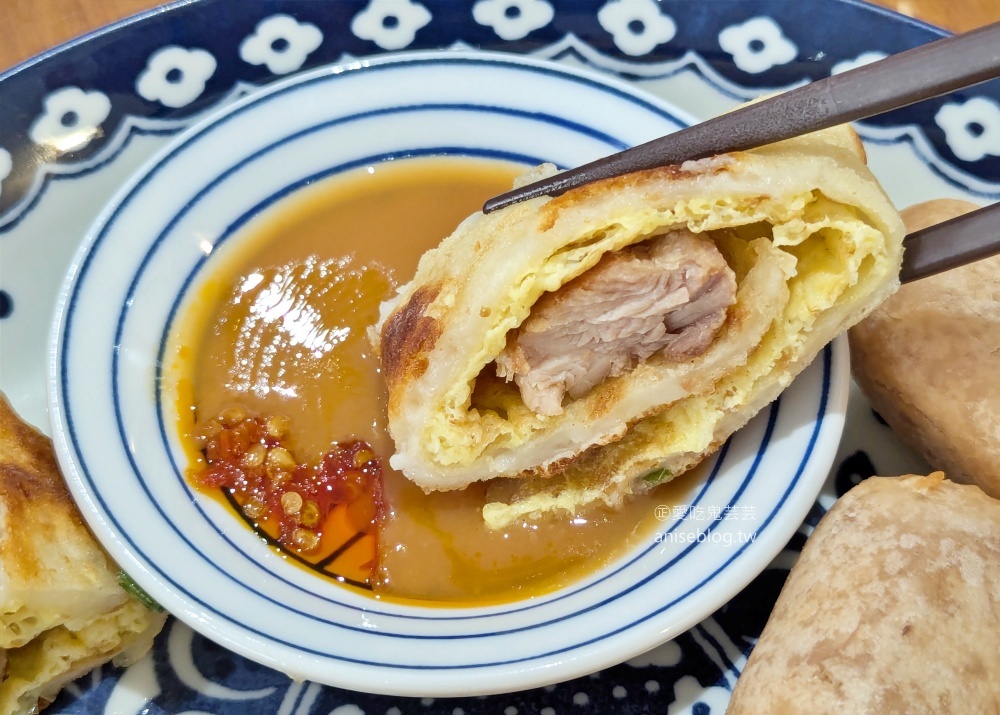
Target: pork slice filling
x=668 y=295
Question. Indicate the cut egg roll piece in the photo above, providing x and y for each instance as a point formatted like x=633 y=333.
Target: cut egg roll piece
x=64 y=608
x=538 y=343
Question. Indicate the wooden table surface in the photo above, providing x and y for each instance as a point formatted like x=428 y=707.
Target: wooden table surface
x=31 y=26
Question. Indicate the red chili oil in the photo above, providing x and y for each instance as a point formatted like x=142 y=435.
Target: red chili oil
x=318 y=512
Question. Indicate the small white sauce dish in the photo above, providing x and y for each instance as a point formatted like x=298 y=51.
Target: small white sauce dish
x=117 y=442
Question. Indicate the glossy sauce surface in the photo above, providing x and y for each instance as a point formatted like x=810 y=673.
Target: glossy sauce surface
x=280 y=329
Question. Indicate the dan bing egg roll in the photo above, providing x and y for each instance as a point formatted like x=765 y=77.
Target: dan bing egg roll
x=63 y=611
x=625 y=329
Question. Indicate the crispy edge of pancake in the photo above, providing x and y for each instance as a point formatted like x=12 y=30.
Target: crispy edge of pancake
x=48 y=558
x=45 y=545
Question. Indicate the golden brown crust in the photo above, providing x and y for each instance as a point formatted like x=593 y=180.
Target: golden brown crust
x=551 y=211
x=408 y=336
x=30 y=485
x=718 y=165
x=24 y=446
x=24 y=494
x=928 y=360
x=62 y=610
x=893 y=607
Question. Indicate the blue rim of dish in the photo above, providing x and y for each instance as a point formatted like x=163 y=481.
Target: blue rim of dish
x=772 y=420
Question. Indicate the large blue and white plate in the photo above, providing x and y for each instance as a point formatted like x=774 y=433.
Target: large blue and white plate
x=77 y=122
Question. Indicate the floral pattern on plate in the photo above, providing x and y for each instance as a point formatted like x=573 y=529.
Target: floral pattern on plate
x=972 y=129
x=757 y=45
x=6 y=164
x=390 y=24
x=749 y=48
x=754 y=46
x=94 y=102
x=175 y=76
x=636 y=27
x=513 y=19
x=71 y=120
x=280 y=43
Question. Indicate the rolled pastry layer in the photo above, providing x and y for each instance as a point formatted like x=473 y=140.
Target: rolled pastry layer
x=540 y=342
x=62 y=609
x=893 y=607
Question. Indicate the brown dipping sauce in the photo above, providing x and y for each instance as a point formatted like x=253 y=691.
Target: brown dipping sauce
x=279 y=329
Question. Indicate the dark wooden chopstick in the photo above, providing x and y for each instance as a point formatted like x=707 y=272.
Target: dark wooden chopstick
x=950 y=244
x=897 y=81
